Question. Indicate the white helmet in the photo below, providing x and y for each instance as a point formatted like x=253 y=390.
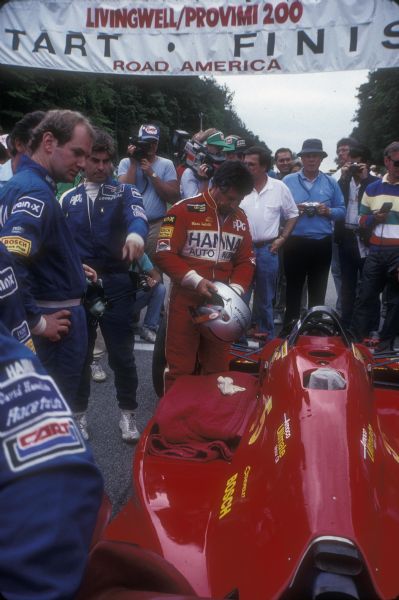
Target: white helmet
x=225 y=316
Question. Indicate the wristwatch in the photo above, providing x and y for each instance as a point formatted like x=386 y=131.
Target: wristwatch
x=154 y=175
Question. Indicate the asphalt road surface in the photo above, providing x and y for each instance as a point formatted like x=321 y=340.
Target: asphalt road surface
x=115 y=457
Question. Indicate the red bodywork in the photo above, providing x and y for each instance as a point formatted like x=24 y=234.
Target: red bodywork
x=311 y=491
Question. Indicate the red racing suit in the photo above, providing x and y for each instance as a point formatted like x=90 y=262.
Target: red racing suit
x=195 y=242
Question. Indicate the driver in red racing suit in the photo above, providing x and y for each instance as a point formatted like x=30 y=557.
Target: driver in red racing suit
x=204 y=239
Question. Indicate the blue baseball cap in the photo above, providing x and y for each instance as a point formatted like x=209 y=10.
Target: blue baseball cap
x=149 y=132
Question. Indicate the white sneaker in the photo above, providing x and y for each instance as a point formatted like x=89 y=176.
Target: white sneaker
x=97 y=372
x=148 y=335
x=81 y=422
x=128 y=426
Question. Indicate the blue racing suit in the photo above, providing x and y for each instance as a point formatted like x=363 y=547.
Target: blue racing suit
x=12 y=310
x=50 y=488
x=100 y=232
x=48 y=267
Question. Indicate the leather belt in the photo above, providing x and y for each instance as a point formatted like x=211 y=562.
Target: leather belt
x=59 y=303
x=264 y=243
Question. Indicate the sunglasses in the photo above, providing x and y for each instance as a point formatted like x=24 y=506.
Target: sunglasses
x=394 y=162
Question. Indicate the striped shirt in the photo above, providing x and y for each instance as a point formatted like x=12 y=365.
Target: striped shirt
x=378 y=192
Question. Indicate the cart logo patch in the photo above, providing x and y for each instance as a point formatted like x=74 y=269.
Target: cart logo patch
x=45 y=440
x=21 y=332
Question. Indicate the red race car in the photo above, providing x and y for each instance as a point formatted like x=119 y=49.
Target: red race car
x=277 y=484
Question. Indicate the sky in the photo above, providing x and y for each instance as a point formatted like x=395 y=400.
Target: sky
x=284 y=110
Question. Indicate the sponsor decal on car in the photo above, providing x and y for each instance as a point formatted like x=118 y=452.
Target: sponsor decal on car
x=17 y=244
x=228 y=496
x=369 y=442
x=8 y=282
x=28 y=205
x=283 y=433
x=247 y=471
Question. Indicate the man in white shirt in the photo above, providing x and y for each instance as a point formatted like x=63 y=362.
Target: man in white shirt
x=269 y=203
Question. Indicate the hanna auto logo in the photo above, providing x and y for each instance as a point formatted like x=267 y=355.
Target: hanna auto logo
x=43 y=441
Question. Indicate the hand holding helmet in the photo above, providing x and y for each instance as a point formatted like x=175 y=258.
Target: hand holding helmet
x=225 y=316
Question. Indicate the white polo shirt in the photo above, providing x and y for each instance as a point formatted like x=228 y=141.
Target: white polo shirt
x=266 y=209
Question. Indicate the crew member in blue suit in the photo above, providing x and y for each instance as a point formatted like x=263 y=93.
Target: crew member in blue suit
x=109 y=226
x=34 y=230
x=50 y=488
x=12 y=309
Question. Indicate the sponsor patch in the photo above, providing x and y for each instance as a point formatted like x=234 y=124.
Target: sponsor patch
x=41 y=442
x=76 y=199
x=135 y=193
x=239 y=225
x=8 y=282
x=17 y=244
x=197 y=207
x=139 y=212
x=163 y=245
x=166 y=231
x=35 y=422
x=21 y=332
x=169 y=220
x=28 y=205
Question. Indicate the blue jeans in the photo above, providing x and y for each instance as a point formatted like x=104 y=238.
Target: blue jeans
x=265 y=282
x=153 y=300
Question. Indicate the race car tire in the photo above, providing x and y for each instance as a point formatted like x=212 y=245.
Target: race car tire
x=159 y=359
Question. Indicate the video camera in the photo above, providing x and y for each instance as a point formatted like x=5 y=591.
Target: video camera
x=197 y=155
x=142 y=148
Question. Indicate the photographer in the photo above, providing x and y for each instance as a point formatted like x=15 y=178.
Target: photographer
x=355 y=177
x=307 y=252
x=154 y=176
x=109 y=226
x=204 y=154
x=379 y=211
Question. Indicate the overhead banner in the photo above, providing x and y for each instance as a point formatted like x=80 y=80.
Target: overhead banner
x=200 y=37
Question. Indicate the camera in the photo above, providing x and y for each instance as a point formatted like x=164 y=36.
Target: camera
x=197 y=156
x=138 y=277
x=354 y=169
x=142 y=148
x=95 y=300
x=310 y=208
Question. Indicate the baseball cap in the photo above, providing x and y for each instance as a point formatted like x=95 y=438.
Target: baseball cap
x=149 y=132
x=237 y=144
x=217 y=139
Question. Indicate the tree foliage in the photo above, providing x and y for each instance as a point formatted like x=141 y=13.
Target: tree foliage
x=377 y=116
x=121 y=103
